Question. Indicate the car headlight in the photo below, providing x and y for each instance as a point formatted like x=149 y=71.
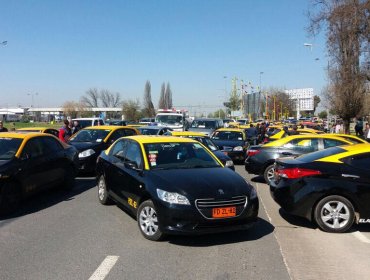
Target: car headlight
x=86 y=153
x=229 y=163
x=173 y=198
x=253 y=193
x=238 y=148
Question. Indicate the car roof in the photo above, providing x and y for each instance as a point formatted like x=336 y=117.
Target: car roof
x=151 y=127
x=349 y=150
x=35 y=128
x=88 y=119
x=187 y=133
x=349 y=136
x=230 y=129
x=304 y=136
x=20 y=135
x=206 y=119
x=105 y=127
x=148 y=139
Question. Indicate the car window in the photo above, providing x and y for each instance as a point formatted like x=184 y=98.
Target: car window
x=90 y=135
x=52 y=132
x=51 y=145
x=9 y=147
x=320 y=154
x=119 y=149
x=134 y=154
x=328 y=143
x=228 y=135
x=303 y=145
x=359 y=161
x=117 y=134
x=34 y=148
x=129 y=132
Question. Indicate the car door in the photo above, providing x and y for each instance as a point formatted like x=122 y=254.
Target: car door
x=35 y=166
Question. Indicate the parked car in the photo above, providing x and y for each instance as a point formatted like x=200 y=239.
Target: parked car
x=31 y=162
x=90 y=141
x=154 y=130
x=231 y=141
x=206 y=141
x=47 y=130
x=174 y=185
x=146 y=120
x=86 y=122
x=330 y=187
x=206 y=125
x=261 y=158
x=116 y=122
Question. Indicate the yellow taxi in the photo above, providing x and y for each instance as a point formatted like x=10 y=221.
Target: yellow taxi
x=48 y=130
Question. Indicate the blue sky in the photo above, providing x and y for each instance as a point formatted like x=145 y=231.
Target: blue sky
x=59 y=49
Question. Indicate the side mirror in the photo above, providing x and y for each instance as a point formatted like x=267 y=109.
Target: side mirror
x=131 y=165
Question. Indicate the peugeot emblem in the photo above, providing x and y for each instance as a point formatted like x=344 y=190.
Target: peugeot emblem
x=221 y=191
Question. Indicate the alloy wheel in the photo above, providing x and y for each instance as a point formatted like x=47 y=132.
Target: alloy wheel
x=335 y=214
x=148 y=221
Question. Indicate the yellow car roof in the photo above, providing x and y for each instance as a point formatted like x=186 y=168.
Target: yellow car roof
x=148 y=139
x=350 y=150
x=20 y=135
x=105 y=127
x=187 y=133
x=284 y=140
x=34 y=128
x=350 y=137
x=230 y=129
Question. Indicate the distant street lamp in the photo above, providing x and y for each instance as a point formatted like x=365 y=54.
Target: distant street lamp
x=308 y=45
x=4 y=43
x=32 y=94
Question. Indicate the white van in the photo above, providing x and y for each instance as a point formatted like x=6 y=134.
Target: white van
x=84 y=122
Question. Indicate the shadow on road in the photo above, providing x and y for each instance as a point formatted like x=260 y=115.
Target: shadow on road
x=258 y=179
x=295 y=220
x=259 y=230
x=48 y=198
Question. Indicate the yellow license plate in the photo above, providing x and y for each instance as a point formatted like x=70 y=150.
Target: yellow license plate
x=224 y=212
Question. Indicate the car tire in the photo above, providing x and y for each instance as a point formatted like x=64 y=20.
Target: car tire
x=69 y=179
x=147 y=220
x=103 y=195
x=10 y=198
x=335 y=214
x=268 y=174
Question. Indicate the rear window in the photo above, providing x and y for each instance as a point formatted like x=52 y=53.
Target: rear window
x=320 y=154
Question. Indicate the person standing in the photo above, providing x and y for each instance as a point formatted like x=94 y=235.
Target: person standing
x=75 y=127
x=367 y=132
x=65 y=132
x=337 y=128
x=2 y=128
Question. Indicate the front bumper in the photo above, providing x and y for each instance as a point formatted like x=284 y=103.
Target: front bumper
x=187 y=220
x=88 y=164
x=236 y=156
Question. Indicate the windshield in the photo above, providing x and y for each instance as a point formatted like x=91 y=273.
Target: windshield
x=228 y=135
x=9 y=147
x=90 y=135
x=320 y=154
x=203 y=124
x=208 y=143
x=179 y=156
x=150 y=131
x=169 y=119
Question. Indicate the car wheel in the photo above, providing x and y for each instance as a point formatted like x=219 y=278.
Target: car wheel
x=10 y=198
x=269 y=173
x=334 y=214
x=69 y=179
x=103 y=195
x=147 y=220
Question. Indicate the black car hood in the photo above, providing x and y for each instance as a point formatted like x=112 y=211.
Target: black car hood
x=227 y=144
x=4 y=162
x=201 y=182
x=82 y=146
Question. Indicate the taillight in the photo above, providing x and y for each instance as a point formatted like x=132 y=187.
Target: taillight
x=295 y=173
x=251 y=153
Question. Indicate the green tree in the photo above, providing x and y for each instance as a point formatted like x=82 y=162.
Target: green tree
x=148 y=107
x=316 y=101
x=323 y=115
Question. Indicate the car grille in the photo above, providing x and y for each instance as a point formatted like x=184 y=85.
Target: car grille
x=205 y=206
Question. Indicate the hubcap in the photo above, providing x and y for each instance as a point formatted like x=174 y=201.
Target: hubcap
x=148 y=221
x=270 y=174
x=335 y=214
x=101 y=189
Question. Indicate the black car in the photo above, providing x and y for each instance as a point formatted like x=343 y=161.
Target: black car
x=206 y=141
x=154 y=130
x=90 y=141
x=116 y=122
x=231 y=141
x=261 y=158
x=330 y=187
x=30 y=163
x=174 y=185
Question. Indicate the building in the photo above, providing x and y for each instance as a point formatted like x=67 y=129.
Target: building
x=303 y=98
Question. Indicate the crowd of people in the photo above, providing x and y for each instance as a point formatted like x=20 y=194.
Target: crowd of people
x=68 y=129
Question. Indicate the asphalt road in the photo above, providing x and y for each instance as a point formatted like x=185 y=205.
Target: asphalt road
x=58 y=235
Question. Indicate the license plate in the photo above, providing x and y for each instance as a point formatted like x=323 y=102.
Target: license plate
x=224 y=212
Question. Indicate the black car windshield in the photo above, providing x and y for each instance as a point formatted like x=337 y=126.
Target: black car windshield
x=9 y=147
x=90 y=135
x=148 y=131
x=178 y=156
x=228 y=135
x=320 y=154
x=169 y=119
x=203 y=124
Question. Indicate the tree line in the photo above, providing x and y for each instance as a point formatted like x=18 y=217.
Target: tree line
x=131 y=108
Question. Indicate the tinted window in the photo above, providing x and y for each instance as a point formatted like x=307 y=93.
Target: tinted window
x=52 y=132
x=359 y=161
x=328 y=143
x=303 y=145
x=227 y=135
x=320 y=154
x=90 y=135
x=119 y=149
x=9 y=147
x=51 y=144
x=34 y=148
x=130 y=132
x=117 y=134
x=204 y=124
x=134 y=154
x=148 y=131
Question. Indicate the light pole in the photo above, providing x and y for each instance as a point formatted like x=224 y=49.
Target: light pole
x=32 y=94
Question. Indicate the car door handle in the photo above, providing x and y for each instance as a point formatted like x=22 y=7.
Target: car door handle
x=286 y=154
x=350 y=176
